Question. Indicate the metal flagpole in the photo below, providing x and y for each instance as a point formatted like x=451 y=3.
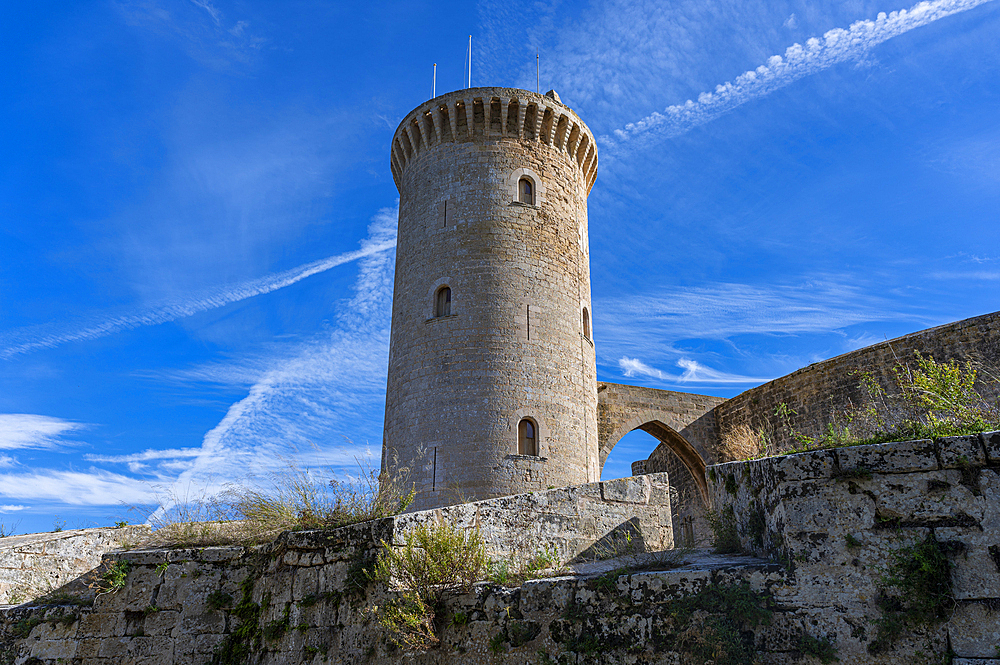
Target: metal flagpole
x=434 y=82
x=538 y=88
x=470 y=62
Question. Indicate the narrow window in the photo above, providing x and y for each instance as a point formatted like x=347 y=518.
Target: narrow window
x=527 y=443
x=586 y=323
x=442 y=302
x=526 y=191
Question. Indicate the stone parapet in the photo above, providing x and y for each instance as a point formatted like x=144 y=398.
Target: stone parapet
x=37 y=563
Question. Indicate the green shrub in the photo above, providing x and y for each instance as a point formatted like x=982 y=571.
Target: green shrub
x=432 y=557
x=218 y=600
x=818 y=647
x=915 y=590
x=928 y=399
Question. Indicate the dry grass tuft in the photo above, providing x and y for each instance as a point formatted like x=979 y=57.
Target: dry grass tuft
x=744 y=442
x=294 y=499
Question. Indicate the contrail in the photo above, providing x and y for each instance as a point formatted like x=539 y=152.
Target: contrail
x=36 y=339
x=835 y=46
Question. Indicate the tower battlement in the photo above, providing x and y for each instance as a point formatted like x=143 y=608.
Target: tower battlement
x=485 y=114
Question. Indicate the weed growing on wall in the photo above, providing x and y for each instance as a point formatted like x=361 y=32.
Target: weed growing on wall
x=716 y=624
x=915 y=590
x=433 y=557
x=726 y=539
x=8 y=529
x=113 y=578
x=821 y=648
x=511 y=572
x=245 y=639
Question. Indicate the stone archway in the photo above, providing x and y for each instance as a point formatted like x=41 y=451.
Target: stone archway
x=683 y=423
x=688 y=454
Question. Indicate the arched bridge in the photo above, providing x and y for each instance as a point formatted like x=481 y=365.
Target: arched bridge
x=682 y=422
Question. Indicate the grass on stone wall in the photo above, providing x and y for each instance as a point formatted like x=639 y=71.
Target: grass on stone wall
x=292 y=499
x=927 y=399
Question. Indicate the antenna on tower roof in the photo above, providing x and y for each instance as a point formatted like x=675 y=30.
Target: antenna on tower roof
x=434 y=82
x=538 y=88
x=470 y=63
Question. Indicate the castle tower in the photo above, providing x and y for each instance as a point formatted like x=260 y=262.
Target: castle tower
x=492 y=386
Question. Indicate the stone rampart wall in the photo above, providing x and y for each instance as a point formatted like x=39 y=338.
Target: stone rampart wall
x=37 y=563
x=836 y=516
x=306 y=599
x=823 y=389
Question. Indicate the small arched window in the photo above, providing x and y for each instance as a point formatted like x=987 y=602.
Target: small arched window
x=527 y=437
x=442 y=302
x=586 y=323
x=526 y=191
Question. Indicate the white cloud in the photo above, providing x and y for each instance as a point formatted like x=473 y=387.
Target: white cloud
x=835 y=46
x=93 y=488
x=28 y=339
x=146 y=455
x=694 y=372
x=642 y=334
x=6 y=461
x=26 y=430
x=11 y=508
x=791 y=22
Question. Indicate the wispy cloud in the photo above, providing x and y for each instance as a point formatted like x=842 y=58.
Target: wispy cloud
x=27 y=430
x=94 y=487
x=720 y=311
x=24 y=340
x=694 y=372
x=11 y=508
x=6 y=461
x=200 y=28
x=311 y=401
x=640 y=335
x=835 y=46
x=146 y=455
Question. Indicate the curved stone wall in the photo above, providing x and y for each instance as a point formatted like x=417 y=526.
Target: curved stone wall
x=822 y=389
x=512 y=345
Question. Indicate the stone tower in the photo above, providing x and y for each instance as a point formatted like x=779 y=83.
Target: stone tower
x=492 y=384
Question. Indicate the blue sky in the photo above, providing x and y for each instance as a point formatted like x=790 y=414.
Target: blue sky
x=197 y=215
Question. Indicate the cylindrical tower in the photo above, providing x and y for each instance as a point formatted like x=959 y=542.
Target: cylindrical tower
x=492 y=386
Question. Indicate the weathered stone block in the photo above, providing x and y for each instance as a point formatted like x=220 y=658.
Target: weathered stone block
x=634 y=489
x=142 y=557
x=804 y=466
x=991 y=441
x=974 y=630
x=958 y=452
x=901 y=457
x=975 y=572
x=664 y=585
x=936 y=498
